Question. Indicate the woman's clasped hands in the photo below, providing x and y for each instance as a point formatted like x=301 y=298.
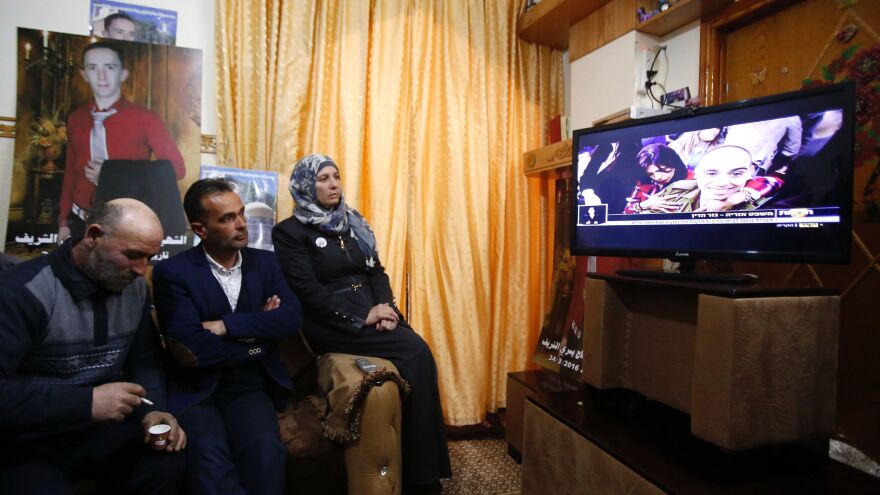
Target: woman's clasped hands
x=383 y=316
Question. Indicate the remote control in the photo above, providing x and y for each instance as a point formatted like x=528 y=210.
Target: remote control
x=365 y=365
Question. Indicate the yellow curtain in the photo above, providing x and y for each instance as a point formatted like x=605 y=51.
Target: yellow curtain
x=427 y=106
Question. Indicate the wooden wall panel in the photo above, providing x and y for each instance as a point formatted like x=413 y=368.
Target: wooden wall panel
x=761 y=47
x=547 y=23
x=768 y=57
x=606 y=24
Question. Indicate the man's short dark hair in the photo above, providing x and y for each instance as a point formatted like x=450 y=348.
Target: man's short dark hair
x=201 y=189
x=104 y=44
x=108 y=21
x=107 y=215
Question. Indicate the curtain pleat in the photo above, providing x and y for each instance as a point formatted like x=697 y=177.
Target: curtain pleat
x=428 y=107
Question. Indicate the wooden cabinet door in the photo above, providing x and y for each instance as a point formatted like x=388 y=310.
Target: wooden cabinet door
x=774 y=54
x=762 y=47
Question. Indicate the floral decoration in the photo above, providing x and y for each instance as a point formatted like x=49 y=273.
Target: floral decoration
x=847 y=33
x=48 y=132
x=759 y=76
x=865 y=66
x=48 y=136
x=837 y=66
x=862 y=66
x=864 y=146
x=867 y=104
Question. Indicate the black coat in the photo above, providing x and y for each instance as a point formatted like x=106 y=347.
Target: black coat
x=329 y=275
x=152 y=182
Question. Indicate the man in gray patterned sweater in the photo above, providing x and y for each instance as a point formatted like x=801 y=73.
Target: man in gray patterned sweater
x=81 y=372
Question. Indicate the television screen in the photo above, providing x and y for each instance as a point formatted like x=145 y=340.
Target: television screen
x=768 y=179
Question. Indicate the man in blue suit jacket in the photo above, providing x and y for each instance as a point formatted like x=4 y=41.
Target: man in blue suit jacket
x=222 y=307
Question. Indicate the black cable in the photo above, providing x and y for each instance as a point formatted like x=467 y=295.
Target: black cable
x=649 y=84
x=649 y=78
x=651 y=71
x=651 y=94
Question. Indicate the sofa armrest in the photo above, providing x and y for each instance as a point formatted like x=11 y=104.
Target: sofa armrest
x=373 y=462
x=364 y=414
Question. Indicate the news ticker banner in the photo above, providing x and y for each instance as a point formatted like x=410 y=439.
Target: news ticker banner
x=800 y=217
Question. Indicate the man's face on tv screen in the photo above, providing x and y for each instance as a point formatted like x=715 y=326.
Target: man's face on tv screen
x=722 y=172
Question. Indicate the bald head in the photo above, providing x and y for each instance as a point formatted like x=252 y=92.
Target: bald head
x=127 y=216
x=721 y=173
x=726 y=154
x=121 y=237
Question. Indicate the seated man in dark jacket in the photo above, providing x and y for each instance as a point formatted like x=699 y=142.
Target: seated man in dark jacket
x=223 y=307
x=7 y=261
x=81 y=377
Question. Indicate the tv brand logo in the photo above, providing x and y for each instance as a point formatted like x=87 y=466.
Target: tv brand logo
x=680 y=254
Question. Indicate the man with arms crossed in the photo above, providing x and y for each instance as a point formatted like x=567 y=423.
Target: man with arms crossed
x=108 y=127
x=79 y=361
x=222 y=307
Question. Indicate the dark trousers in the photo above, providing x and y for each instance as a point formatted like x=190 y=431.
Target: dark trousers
x=234 y=442
x=423 y=439
x=112 y=453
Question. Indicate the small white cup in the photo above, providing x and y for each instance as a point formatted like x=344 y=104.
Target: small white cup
x=159 y=436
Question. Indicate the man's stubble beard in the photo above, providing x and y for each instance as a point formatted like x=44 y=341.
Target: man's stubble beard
x=101 y=269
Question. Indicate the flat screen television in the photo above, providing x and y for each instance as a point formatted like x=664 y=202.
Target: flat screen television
x=766 y=179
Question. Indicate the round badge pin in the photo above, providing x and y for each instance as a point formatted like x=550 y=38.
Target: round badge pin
x=321 y=242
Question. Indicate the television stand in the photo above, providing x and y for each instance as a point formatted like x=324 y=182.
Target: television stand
x=688 y=276
x=616 y=442
x=752 y=364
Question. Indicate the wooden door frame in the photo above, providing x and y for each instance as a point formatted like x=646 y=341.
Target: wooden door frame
x=713 y=41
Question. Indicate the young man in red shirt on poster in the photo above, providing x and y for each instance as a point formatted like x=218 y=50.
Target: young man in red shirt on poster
x=108 y=127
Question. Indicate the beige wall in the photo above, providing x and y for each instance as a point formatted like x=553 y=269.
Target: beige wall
x=606 y=80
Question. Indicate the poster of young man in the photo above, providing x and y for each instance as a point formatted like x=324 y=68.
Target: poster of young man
x=259 y=193
x=99 y=119
x=129 y=22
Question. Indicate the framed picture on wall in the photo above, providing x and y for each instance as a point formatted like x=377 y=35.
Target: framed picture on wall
x=99 y=119
x=258 y=191
x=130 y=22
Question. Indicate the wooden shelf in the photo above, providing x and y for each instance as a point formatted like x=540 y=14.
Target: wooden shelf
x=552 y=156
x=679 y=14
x=548 y=22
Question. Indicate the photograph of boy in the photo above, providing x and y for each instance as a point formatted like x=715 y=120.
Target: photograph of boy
x=121 y=119
x=109 y=128
x=131 y=22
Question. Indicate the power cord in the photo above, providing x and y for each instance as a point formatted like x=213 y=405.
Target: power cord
x=649 y=78
x=649 y=81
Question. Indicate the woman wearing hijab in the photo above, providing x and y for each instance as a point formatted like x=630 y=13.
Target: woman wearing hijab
x=662 y=166
x=328 y=253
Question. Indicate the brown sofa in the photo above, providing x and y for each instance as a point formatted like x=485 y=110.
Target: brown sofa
x=365 y=458
x=342 y=431
x=334 y=400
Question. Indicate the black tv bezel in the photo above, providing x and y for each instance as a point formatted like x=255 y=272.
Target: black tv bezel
x=847 y=89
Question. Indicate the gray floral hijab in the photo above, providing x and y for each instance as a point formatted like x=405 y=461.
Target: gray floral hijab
x=333 y=221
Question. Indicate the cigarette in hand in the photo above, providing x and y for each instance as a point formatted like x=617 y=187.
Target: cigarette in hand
x=147 y=402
